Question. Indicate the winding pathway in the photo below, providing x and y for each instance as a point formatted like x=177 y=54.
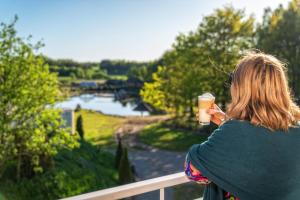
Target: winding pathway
x=155 y=163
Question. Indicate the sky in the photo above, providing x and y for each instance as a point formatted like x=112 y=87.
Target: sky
x=92 y=30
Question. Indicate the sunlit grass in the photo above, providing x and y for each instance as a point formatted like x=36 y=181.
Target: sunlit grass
x=99 y=129
x=119 y=77
x=163 y=137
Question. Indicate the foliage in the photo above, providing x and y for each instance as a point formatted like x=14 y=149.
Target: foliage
x=125 y=173
x=82 y=170
x=198 y=62
x=119 y=67
x=278 y=34
x=119 y=153
x=75 y=172
x=79 y=127
x=153 y=92
x=30 y=130
x=78 y=108
x=78 y=71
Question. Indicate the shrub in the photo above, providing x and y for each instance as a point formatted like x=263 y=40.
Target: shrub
x=119 y=153
x=125 y=173
x=79 y=127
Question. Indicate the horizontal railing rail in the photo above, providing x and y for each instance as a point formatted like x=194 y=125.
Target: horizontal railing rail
x=136 y=188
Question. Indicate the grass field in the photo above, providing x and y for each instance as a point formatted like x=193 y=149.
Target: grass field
x=99 y=128
x=163 y=137
x=119 y=77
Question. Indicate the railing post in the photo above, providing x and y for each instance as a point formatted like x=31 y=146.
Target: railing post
x=162 y=194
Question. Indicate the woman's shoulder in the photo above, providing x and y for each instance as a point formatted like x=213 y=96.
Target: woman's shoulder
x=230 y=128
x=240 y=128
x=247 y=126
x=234 y=123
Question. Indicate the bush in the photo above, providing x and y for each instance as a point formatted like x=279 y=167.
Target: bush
x=125 y=173
x=78 y=108
x=79 y=171
x=119 y=153
x=79 y=127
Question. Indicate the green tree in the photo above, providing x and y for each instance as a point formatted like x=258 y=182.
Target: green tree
x=153 y=92
x=139 y=72
x=79 y=127
x=78 y=108
x=125 y=173
x=198 y=61
x=119 y=154
x=31 y=130
x=278 y=34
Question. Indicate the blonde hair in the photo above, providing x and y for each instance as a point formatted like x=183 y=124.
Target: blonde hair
x=260 y=93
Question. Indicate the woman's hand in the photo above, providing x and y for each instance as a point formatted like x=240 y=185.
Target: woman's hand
x=217 y=115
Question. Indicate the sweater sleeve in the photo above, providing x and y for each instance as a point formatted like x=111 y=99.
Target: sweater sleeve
x=194 y=174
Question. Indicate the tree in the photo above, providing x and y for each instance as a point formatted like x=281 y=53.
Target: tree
x=31 y=130
x=153 y=92
x=125 y=173
x=278 y=34
x=78 y=108
x=119 y=154
x=79 y=127
x=199 y=61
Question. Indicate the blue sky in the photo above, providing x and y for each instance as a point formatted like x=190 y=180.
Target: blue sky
x=92 y=30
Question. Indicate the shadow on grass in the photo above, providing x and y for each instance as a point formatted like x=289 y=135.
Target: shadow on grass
x=161 y=136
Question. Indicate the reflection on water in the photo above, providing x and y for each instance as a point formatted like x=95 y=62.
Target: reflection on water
x=106 y=105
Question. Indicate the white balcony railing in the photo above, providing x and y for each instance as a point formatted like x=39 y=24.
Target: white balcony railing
x=136 y=188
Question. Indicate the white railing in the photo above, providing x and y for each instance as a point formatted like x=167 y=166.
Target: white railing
x=136 y=188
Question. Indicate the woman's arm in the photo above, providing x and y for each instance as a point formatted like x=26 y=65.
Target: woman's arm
x=193 y=174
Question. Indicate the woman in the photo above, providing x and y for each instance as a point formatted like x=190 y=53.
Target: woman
x=255 y=152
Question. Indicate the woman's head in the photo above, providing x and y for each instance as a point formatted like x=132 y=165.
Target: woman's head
x=260 y=93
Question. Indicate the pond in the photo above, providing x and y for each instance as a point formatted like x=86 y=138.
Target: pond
x=105 y=104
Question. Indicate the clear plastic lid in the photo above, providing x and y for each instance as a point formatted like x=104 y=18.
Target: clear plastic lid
x=206 y=95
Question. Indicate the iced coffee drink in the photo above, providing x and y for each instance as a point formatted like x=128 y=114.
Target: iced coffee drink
x=205 y=102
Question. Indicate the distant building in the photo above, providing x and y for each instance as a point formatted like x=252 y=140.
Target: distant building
x=69 y=118
x=88 y=84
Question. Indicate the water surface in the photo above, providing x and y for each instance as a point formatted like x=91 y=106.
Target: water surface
x=104 y=104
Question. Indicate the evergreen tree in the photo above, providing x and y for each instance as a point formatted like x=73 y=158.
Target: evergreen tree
x=79 y=127
x=78 y=108
x=125 y=173
x=119 y=153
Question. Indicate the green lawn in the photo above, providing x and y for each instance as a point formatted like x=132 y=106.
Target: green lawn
x=119 y=77
x=99 y=129
x=163 y=137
